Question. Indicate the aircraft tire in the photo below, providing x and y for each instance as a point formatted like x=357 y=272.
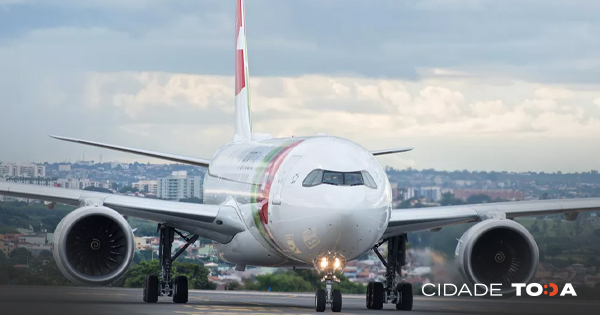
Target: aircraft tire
x=370 y=295
x=405 y=297
x=151 y=289
x=320 y=300
x=180 y=289
x=378 y=292
x=336 y=303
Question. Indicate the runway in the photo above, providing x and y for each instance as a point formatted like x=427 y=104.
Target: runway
x=24 y=300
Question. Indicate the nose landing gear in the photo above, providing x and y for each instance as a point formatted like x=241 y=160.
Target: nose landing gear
x=328 y=296
x=401 y=293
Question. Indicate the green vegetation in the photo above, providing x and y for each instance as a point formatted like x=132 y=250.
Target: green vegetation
x=300 y=280
x=15 y=215
x=197 y=274
x=41 y=270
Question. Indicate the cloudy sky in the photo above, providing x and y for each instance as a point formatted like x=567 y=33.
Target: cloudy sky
x=471 y=84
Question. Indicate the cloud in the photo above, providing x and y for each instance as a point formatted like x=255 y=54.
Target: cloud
x=469 y=87
x=192 y=114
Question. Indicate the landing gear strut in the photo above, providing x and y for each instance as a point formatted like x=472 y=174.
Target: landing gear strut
x=165 y=285
x=391 y=292
x=328 y=296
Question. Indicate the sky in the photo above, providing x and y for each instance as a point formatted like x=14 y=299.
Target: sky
x=472 y=84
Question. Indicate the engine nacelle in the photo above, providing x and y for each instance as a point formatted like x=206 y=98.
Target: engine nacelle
x=497 y=251
x=93 y=246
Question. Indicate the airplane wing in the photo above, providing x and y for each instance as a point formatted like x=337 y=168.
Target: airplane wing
x=217 y=222
x=390 y=151
x=418 y=219
x=159 y=155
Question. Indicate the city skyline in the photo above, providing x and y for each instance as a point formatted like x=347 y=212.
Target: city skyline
x=477 y=85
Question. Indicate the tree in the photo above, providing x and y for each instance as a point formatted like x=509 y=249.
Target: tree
x=2 y=258
x=449 y=200
x=126 y=189
x=232 y=286
x=197 y=274
x=299 y=280
x=554 y=250
x=481 y=198
x=19 y=256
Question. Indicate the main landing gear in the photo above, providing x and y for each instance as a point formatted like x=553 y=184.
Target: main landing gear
x=328 y=296
x=167 y=285
x=391 y=292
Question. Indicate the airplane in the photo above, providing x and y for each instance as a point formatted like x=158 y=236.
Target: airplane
x=298 y=202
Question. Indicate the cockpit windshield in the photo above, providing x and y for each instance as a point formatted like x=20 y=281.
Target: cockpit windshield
x=358 y=178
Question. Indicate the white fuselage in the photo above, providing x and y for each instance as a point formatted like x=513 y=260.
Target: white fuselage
x=289 y=224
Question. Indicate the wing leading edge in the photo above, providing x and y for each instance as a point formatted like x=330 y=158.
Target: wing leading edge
x=390 y=151
x=217 y=222
x=159 y=155
x=412 y=220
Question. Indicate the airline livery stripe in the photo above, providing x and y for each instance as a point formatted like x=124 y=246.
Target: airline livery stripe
x=240 y=76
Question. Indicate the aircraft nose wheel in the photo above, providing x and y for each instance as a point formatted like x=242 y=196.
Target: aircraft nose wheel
x=328 y=296
x=320 y=300
x=336 y=301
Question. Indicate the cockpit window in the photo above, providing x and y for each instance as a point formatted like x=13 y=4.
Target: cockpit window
x=333 y=178
x=353 y=179
x=318 y=176
x=369 y=181
x=314 y=178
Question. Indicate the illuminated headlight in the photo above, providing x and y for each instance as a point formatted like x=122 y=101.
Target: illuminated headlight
x=330 y=262
x=324 y=262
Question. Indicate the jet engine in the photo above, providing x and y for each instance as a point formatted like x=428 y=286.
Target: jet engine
x=93 y=246
x=497 y=251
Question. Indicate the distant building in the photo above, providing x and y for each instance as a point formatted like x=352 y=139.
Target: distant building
x=431 y=193
x=150 y=186
x=142 y=243
x=179 y=186
x=64 y=167
x=22 y=170
x=39 y=181
x=5 y=247
x=504 y=194
x=73 y=183
x=35 y=239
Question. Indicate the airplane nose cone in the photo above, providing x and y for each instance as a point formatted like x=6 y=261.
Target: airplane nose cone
x=347 y=221
x=352 y=230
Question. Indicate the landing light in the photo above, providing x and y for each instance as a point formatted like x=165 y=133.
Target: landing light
x=330 y=262
x=324 y=263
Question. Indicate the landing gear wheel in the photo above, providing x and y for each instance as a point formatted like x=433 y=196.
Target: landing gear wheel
x=151 y=289
x=405 y=297
x=370 y=295
x=320 y=300
x=377 y=299
x=180 y=289
x=336 y=303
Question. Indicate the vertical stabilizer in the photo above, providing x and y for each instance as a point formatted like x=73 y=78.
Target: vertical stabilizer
x=243 y=125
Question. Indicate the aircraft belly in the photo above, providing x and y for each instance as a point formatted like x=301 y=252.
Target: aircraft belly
x=245 y=250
